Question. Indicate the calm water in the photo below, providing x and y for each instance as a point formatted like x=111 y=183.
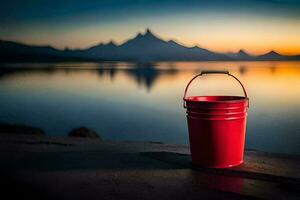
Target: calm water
x=124 y=101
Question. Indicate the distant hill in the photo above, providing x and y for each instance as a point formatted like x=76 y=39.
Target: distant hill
x=144 y=47
x=17 y=52
x=272 y=55
x=241 y=55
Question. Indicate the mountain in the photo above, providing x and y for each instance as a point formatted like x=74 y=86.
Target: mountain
x=17 y=52
x=241 y=55
x=273 y=55
x=108 y=51
x=144 y=47
x=148 y=47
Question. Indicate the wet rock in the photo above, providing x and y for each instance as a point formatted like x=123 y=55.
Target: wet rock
x=20 y=129
x=84 y=132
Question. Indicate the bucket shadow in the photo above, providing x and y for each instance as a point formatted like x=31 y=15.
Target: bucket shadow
x=245 y=170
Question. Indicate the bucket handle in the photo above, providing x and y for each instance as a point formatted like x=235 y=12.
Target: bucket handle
x=212 y=72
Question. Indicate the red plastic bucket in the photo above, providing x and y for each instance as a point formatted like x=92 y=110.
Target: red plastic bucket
x=217 y=127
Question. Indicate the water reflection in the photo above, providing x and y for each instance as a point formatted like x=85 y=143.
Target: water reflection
x=146 y=77
x=143 y=101
x=273 y=69
x=243 y=70
x=144 y=74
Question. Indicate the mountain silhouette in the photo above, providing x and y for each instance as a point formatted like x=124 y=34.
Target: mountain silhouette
x=107 y=51
x=272 y=55
x=144 y=47
x=17 y=52
x=241 y=55
x=149 y=47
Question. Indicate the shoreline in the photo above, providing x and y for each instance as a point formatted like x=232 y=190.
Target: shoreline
x=77 y=168
x=26 y=131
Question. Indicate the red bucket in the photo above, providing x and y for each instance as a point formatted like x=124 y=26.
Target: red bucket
x=217 y=127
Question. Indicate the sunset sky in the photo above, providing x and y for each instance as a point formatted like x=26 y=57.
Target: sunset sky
x=256 y=26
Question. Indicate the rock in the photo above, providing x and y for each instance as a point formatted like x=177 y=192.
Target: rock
x=84 y=132
x=20 y=129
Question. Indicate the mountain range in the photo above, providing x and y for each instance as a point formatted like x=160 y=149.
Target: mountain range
x=144 y=47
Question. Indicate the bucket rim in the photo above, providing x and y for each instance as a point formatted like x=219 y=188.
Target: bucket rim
x=236 y=99
x=217 y=108
x=213 y=118
x=215 y=114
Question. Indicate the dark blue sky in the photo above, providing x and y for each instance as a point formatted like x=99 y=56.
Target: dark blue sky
x=15 y=11
x=79 y=23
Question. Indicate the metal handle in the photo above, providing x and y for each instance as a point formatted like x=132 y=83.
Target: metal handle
x=212 y=72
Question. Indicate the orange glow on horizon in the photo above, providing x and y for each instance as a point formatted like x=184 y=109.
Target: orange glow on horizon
x=256 y=38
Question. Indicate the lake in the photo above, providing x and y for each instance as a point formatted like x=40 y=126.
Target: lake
x=143 y=102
